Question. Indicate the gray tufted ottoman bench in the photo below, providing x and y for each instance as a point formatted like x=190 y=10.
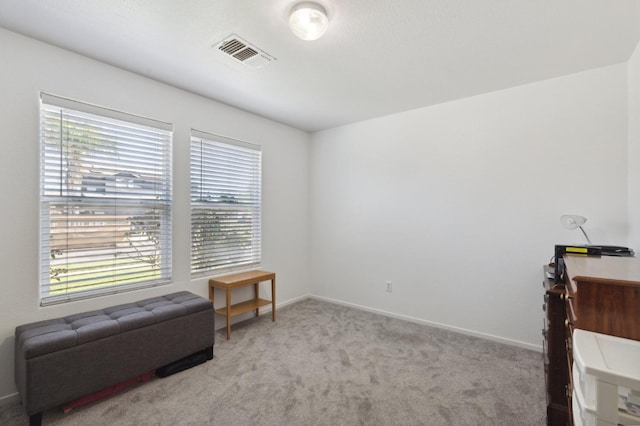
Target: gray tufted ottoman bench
x=63 y=359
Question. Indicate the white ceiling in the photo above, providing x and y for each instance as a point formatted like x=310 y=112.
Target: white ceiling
x=378 y=57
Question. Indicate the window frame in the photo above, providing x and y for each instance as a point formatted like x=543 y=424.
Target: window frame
x=127 y=191
x=249 y=208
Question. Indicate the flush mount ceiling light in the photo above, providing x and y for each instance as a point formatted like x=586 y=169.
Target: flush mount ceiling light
x=308 y=20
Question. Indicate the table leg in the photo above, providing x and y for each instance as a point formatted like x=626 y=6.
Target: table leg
x=211 y=297
x=273 y=299
x=228 y=313
x=257 y=291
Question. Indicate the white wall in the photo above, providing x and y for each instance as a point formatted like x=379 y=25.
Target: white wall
x=634 y=149
x=29 y=67
x=459 y=204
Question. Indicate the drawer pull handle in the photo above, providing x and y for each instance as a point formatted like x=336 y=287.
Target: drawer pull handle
x=567 y=323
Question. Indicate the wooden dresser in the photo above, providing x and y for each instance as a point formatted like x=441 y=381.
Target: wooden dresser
x=602 y=294
x=555 y=352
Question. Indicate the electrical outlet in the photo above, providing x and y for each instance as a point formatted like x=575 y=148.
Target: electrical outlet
x=389 y=286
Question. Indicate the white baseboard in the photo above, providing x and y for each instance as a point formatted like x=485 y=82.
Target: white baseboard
x=491 y=337
x=283 y=304
x=9 y=399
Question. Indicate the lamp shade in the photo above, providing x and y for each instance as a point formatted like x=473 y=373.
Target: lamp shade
x=308 y=20
x=573 y=221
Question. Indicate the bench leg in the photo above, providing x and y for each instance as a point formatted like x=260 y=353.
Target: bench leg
x=35 y=419
x=210 y=352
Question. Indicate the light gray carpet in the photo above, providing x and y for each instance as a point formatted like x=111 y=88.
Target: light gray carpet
x=325 y=364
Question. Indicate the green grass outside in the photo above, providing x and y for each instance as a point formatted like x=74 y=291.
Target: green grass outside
x=102 y=273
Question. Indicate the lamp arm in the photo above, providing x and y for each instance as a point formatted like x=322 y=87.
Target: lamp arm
x=585 y=234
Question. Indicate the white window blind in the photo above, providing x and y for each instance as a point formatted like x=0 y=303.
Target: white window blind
x=225 y=204
x=105 y=201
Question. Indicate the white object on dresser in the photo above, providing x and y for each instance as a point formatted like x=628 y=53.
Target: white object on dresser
x=606 y=379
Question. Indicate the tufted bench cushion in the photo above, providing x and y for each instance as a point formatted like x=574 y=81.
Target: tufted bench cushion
x=54 y=335
x=62 y=359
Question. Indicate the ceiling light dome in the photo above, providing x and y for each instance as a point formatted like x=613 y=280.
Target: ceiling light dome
x=308 y=20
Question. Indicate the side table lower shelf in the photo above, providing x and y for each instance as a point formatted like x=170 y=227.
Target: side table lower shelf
x=241 y=308
x=229 y=282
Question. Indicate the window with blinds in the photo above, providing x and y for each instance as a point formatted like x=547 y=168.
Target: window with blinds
x=225 y=204
x=105 y=201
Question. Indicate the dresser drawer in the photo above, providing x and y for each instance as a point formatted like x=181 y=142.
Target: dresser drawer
x=555 y=352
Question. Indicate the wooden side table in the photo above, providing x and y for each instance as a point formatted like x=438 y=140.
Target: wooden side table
x=229 y=282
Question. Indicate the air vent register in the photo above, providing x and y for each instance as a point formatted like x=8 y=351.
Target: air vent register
x=244 y=52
